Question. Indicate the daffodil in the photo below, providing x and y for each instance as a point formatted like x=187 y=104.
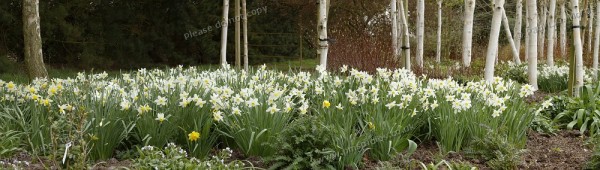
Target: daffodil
x=273 y=109
x=160 y=117
x=161 y=101
x=217 y=116
x=194 y=136
x=371 y=125
x=326 y=104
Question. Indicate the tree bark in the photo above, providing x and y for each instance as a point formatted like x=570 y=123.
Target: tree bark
x=467 y=38
x=518 y=25
x=563 y=29
x=394 y=18
x=584 y=20
x=596 y=42
x=590 y=29
x=224 y=24
x=238 y=31
x=577 y=47
x=506 y=26
x=438 y=54
x=551 y=33
x=542 y=27
x=322 y=28
x=420 y=32
x=245 y=33
x=527 y=30
x=406 y=43
x=493 y=42
x=532 y=19
x=399 y=28
x=34 y=60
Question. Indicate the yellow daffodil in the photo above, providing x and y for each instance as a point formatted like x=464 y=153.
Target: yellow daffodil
x=326 y=104
x=371 y=125
x=194 y=136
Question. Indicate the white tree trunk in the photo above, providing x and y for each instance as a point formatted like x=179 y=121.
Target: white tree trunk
x=527 y=30
x=596 y=42
x=542 y=27
x=420 y=32
x=493 y=43
x=532 y=19
x=467 y=38
x=438 y=54
x=400 y=29
x=394 y=18
x=322 y=28
x=551 y=33
x=245 y=26
x=563 y=29
x=406 y=43
x=224 y=24
x=578 y=50
x=590 y=29
x=238 y=31
x=506 y=26
x=518 y=25
x=583 y=22
x=34 y=59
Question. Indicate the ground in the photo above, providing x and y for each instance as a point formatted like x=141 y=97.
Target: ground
x=565 y=150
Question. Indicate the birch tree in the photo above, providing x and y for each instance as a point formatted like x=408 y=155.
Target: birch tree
x=467 y=38
x=551 y=33
x=583 y=19
x=394 y=18
x=406 y=42
x=563 y=28
x=322 y=28
x=527 y=30
x=590 y=29
x=518 y=24
x=542 y=26
x=438 y=54
x=532 y=19
x=596 y=42
x=224 y=25
x=577 y=61
x=511 y=42
x=245 y=33
x=493 y=42
x=34 y=60
x=420 y=32
x=238 y=48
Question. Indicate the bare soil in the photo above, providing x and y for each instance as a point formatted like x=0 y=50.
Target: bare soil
x=565 y=150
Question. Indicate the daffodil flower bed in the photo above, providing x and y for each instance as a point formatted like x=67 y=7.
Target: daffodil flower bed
x=550 y=78
x=375 y=114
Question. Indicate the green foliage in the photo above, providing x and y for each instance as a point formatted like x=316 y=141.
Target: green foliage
x=305 y=144
x=174 y=157
x=443 y=164
x=594 y=162
x=498 y=152
x=543 y=124
x=583 y=113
